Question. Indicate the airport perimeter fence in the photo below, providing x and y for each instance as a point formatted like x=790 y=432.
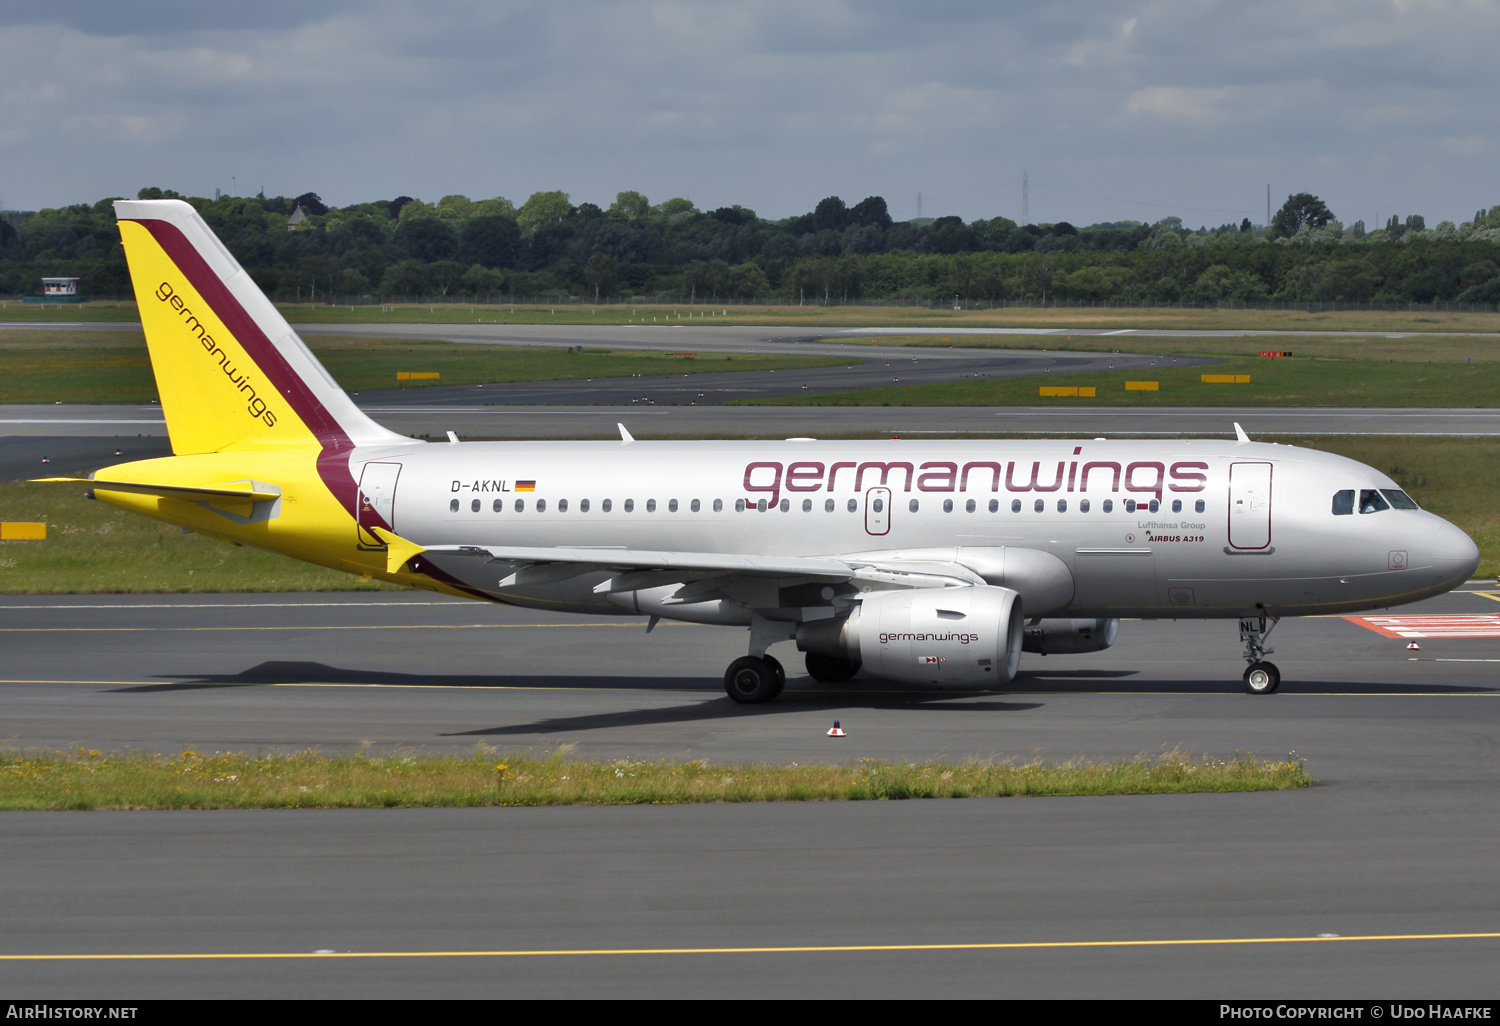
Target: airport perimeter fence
x=290 y=303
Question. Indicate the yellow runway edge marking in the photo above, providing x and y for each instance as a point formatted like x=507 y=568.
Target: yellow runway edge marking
x=821 y=691
x=790 y=950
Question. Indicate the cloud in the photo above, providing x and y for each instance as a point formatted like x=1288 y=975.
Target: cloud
x=770 y=103
x=1196 y=106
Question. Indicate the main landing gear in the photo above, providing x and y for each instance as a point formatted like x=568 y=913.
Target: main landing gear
x=754 y=679
x=1261 y=677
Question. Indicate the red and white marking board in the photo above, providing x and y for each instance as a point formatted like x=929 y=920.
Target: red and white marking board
x=1486 y=626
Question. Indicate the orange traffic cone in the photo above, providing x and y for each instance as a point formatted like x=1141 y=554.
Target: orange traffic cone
x=837 y=731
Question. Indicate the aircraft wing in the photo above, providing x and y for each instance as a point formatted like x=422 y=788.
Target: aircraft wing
x=634 y=568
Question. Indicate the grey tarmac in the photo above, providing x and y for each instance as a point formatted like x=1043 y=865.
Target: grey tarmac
x=1400 y=838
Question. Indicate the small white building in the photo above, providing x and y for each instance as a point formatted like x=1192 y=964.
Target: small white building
x=59 y=288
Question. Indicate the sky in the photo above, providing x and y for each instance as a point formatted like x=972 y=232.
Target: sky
x=1112 y=109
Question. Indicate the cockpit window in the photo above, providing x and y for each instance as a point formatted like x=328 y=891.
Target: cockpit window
x=1343 y=503
x=1371 y=502
x=1399 y=499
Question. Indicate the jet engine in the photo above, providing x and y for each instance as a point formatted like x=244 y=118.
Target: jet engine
x=970 y=635
x=1067 y=637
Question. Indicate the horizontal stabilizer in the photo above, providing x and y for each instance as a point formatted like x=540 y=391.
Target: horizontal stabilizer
x=242 y=491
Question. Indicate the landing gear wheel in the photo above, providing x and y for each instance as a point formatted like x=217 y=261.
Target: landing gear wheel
x=751 y=679
x=1262 y=678
x=827 y=669
x=779 y=670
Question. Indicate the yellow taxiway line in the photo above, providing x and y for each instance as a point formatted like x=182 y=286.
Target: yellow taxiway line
x=787 y=950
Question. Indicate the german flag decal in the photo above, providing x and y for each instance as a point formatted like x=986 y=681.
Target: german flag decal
x=525 y=486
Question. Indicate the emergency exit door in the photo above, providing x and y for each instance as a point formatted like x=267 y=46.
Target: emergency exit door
x=1249 y=505
x=375 y=505
x=878 y=511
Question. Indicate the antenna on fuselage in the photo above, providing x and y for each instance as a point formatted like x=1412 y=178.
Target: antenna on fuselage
x=1240 y=438
x=625 y=436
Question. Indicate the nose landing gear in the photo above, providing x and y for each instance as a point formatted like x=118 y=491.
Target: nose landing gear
x=1261 y=677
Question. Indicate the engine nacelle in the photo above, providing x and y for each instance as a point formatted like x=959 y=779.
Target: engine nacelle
x=966 y=635
x=1068 y=637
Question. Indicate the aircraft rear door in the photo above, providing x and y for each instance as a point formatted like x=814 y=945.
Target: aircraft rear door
x=375 y=505
x=878 y=511
x=1249 y=505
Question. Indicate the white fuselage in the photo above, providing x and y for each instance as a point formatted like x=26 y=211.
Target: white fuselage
x=1147 y=528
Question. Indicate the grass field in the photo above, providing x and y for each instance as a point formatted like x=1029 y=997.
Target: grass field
x=193 y=780
x=1404 y=348
x=1299 y=381
x=92 y=548
x=56 y=365
x=816 y=317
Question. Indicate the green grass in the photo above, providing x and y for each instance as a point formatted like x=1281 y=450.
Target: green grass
x=48 y=365
x=94 y=780
x=92 y=548
x=1310 y=381
x=822 y=316
x=1379 y=347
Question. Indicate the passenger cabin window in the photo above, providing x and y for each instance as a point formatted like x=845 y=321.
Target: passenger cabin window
x=785 y=505
x=1109 y=505
x=1062 y=505
x=879 y=505
x=629 y=505
x=1343 y=503
x=695 y=506
x=969 y=506
x=583 y=505
x=1015 y=505
x=718 y=505
x=828 y=506
x=994 y=505
x=562 y=505
x=1039 y=505
x=607 y=505
x=541 y=505
x=1083 y=505
x=1176 y=505
x=474 y=506
x=453 y=506
x=1199 y=506
x=947 y=506
x=739 y=505
x=760 y=507
x=671 y=505
x=650 y=505
x=499 y=505
x=807 y=505
x=1370 y=501
x=520 y=505
x=853 y=505
x=914 y=505
x=1129 y=505
x=1399 y=499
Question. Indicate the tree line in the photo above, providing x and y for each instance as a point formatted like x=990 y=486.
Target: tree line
x=458 y=247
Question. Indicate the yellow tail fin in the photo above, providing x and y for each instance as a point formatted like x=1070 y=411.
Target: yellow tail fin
x=231 y=373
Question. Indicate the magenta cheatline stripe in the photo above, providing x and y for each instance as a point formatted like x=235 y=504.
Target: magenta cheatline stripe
x=333 y=465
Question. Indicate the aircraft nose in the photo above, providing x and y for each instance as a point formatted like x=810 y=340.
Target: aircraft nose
x=1454 y=553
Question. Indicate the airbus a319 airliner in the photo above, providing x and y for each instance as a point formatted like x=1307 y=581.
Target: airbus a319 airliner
x=928 y=562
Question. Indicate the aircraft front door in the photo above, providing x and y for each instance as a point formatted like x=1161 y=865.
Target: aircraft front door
x=1249 y=505
x=878 y=511
x=375 y=506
